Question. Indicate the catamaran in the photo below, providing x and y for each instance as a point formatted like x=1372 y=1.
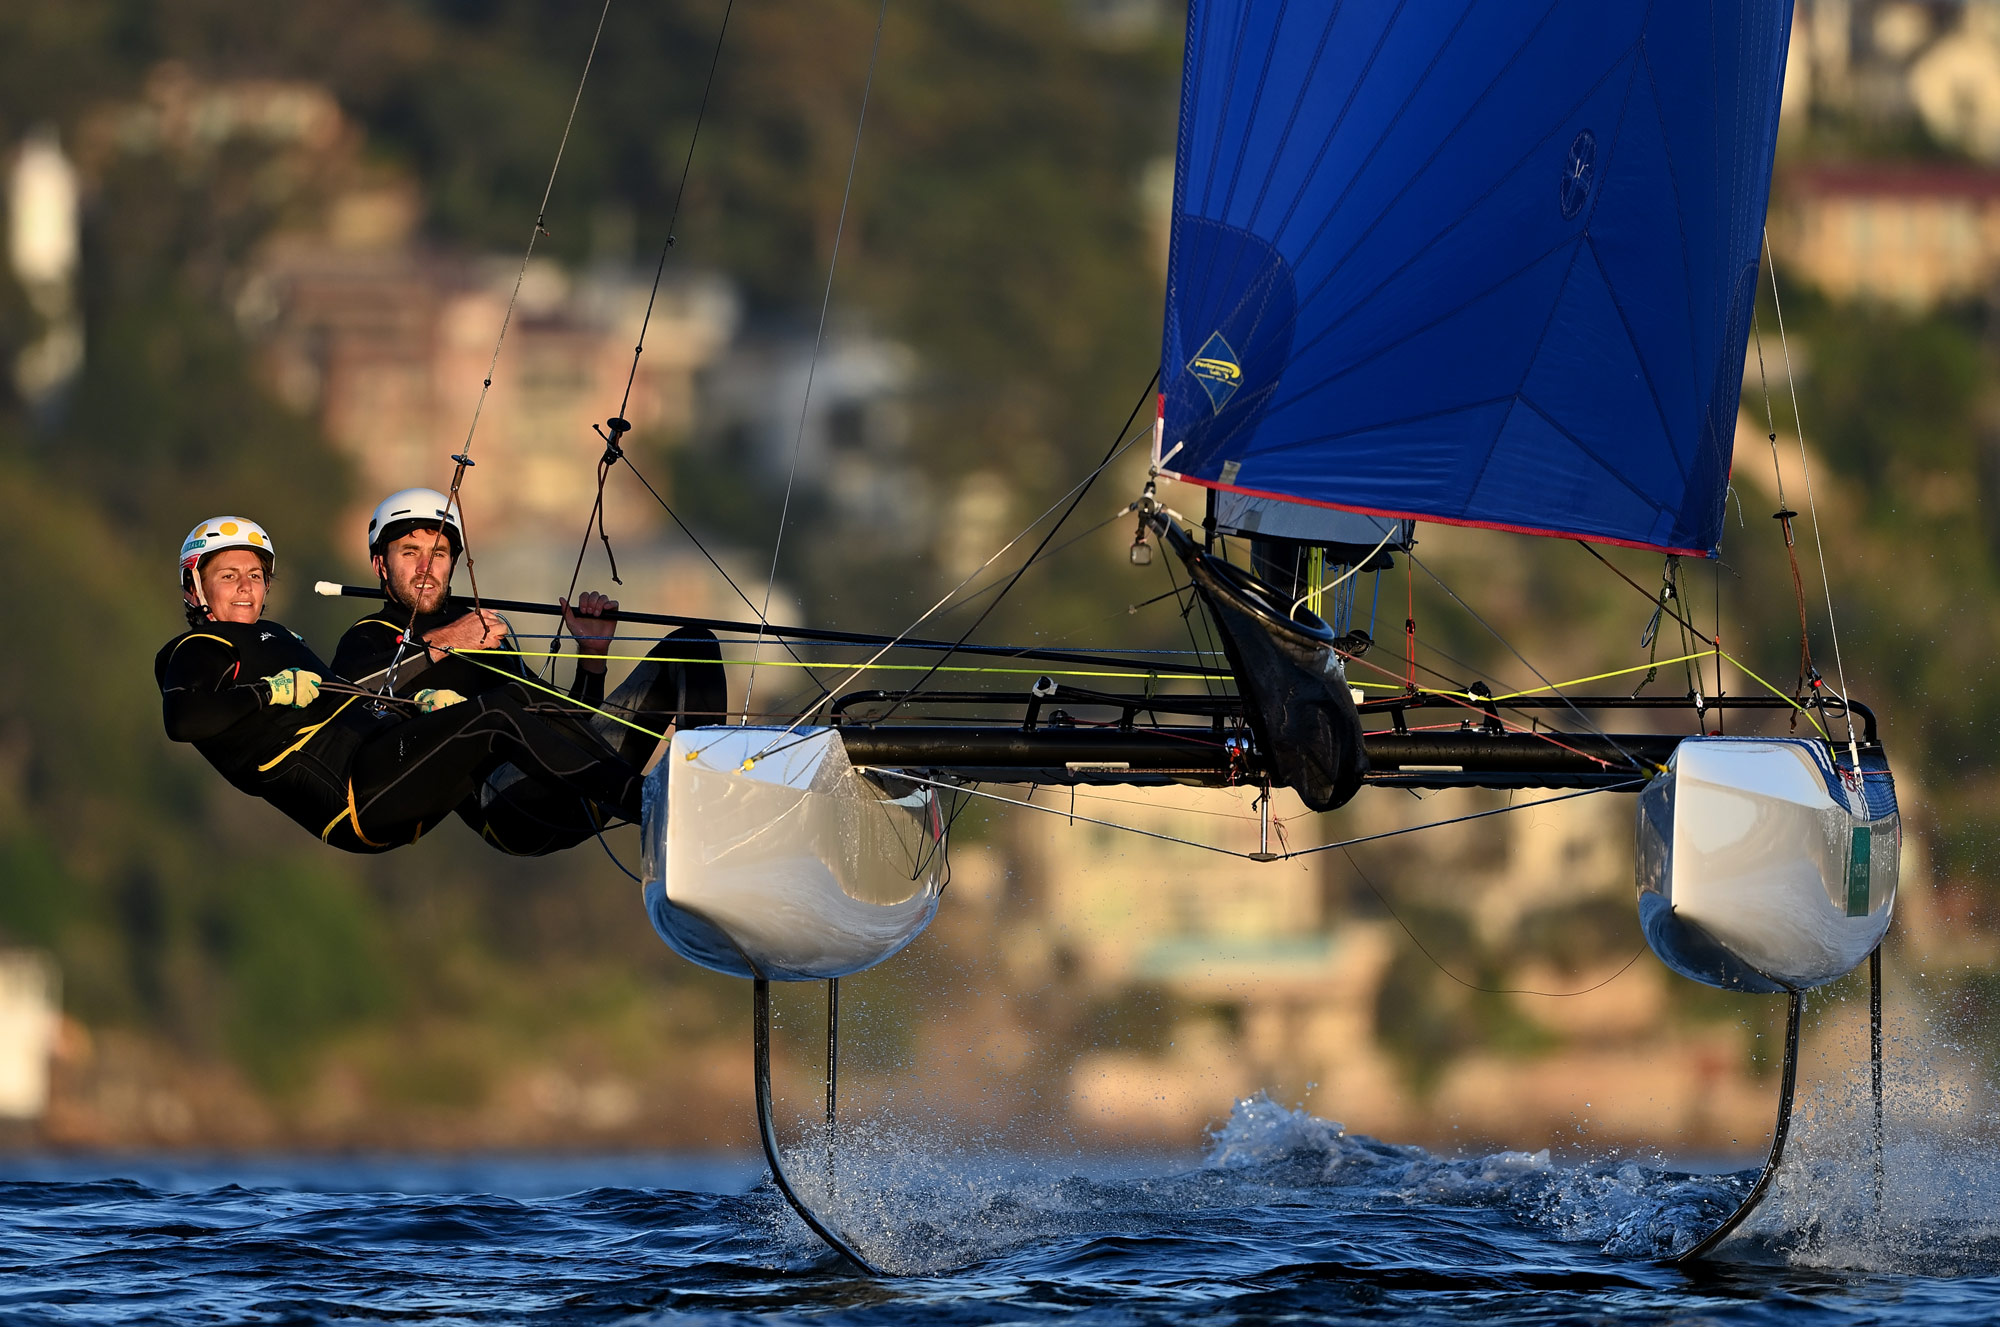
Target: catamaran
x=1488 y=265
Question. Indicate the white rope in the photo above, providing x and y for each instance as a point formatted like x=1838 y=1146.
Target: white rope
x=1812 y=508
x=1345 y=576
x=998 y=553
x=812 y=367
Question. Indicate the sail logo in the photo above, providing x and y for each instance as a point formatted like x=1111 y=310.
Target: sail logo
x=1579 y=173
x=1216 y=369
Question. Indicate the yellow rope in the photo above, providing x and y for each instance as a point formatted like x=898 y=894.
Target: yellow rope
x=879 y=668
x=1599 y=677
x=1053 y=672
x=567 y=699
x=1616 y=672
x=1773 y=690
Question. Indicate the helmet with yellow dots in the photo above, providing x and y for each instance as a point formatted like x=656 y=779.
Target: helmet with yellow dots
x=216 y=534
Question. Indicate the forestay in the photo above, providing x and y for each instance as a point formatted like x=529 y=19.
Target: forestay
x=1487 y=264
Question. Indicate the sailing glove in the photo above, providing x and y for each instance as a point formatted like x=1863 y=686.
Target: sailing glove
x=432 y=699
x=295 y=687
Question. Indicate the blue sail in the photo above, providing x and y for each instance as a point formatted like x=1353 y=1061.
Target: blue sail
x=1482 y=263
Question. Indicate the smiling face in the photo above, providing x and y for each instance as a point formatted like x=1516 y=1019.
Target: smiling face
x=417 y=568
x=234 y=582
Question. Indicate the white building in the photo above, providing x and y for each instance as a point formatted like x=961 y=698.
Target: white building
x=43 y=248
x=30 y=1012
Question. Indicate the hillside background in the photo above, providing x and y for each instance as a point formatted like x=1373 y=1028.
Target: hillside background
x=245 y=169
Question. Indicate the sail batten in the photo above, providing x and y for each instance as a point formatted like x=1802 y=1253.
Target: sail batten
x=1481 y=264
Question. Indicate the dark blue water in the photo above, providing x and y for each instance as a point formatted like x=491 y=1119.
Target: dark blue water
x=1285 y=1219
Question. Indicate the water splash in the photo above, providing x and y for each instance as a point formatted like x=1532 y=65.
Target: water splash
x=918 y=1209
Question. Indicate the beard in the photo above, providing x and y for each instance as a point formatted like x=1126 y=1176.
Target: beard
x=403 y=589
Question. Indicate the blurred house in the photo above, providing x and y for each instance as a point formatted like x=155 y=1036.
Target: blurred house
x=1281 y=970
x=1955 y=83
x=389 y=345
x=1936 y=64
x=1119 y=23
x=30 y=1014
x=1909 y=234
x=191 y=117
x=837 y=417
x=43 y=244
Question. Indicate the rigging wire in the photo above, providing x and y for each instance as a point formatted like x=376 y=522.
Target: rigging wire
x=1785 y=513
x=1812 y=507
x=614 y=859
x=1589 y=727
x=540 y=229
x=1649 y=595
x=1187 y=620
x=949 y=595
x=979 y=594
x=1111 y=453
x=702 y=548
x=463 y=458
x=613 y=452
x=906 y=776
x=819 y=339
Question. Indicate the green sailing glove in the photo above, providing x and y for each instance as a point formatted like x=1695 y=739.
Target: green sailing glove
x=432 y=699
x=295 y=687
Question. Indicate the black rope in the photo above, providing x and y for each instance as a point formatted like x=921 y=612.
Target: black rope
x=1193 y=601
x=1650 y=597
x=618 y=424
x=462 y=459
x=977 y=595
x=680 y=192
x=1492 y=631
x=1117 y=441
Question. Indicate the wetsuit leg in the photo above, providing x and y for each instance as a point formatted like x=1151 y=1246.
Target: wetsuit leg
x=701 y=687
x=524 y=817
x=679 y=683
x=418 y=771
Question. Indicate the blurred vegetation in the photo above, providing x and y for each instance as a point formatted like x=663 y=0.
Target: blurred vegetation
x=997 y=225
x=995 y=222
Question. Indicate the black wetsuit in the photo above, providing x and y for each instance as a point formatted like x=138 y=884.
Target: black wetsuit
x=512 y=809
x=369 y=647
x=364 y=775
x=213 y=694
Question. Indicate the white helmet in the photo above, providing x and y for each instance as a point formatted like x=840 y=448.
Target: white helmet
x=214 y=535
x=411 y=509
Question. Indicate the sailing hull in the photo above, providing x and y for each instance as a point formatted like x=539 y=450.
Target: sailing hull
x=1763 y=866
x=768 y=855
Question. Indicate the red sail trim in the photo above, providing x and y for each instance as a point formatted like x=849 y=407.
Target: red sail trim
x=1443 y=520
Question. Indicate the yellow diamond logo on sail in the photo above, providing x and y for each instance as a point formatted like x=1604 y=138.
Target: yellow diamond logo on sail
x=1216 y=369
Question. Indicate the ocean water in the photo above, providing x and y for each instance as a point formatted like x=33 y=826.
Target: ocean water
x=1284 y=1218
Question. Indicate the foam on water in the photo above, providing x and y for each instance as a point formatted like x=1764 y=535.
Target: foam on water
x=916 y=1208
x=1283 y=1215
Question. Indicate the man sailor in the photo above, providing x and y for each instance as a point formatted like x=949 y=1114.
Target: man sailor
x=364 y=776
x=424 y=637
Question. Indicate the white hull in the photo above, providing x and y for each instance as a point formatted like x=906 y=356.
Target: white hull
x=775 y=859
x=1763 y=867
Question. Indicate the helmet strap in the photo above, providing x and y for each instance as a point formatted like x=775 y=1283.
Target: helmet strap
x=197 y=595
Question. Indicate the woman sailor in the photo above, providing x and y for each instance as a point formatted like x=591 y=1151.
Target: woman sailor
x=363 y=776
